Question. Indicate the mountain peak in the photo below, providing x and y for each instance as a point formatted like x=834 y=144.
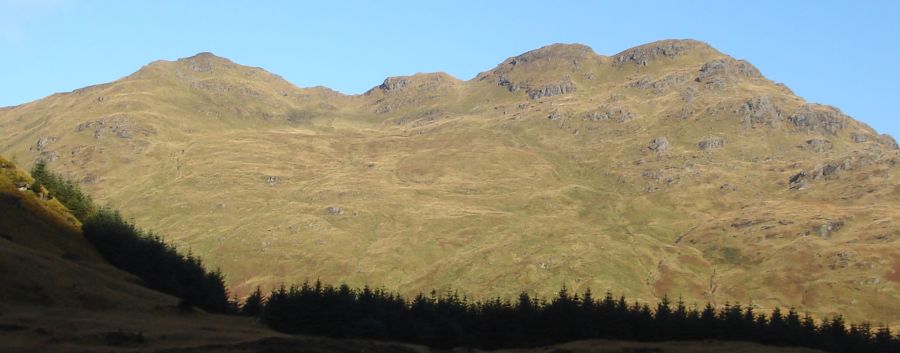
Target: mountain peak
x=669 y=48
x=204 y=61
x=418 y=81
x=555 y=51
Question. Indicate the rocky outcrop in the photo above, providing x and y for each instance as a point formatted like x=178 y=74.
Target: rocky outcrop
x=49 y=156
x=531 y=71
x=43 y=142
x=759 y=111
x=120 y=125
x=818 y=145
x=711 y=143
x=817 y=118
x=826 y=229
x=643 y=55
x=659 y=144
x=661 y=85
x=614 y=113
x=830 y=170
x=555 y=115
x=394 y=83
x=564 y=87
x=860 y=138
x=202 y=62
x=567 y=54
x=334 y=211
x=722 y=73
x=510 y=86
x=889 y=141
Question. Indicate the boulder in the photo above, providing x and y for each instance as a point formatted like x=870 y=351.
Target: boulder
x=555 y=115
x=334 y=211
x=711 y=143
x=615 y=113
x=825 y=230
x=659 y=144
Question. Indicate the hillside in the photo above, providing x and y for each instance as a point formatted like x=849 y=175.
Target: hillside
x=668 y=168
x=60 y=296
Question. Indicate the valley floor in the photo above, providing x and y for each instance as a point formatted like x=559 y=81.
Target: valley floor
x=31 y=329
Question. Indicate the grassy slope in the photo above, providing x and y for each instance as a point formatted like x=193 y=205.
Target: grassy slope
x=445 y=183
x=59 y=296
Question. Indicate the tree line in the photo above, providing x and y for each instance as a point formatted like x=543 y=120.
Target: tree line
x=141 y=253
x=448 y=320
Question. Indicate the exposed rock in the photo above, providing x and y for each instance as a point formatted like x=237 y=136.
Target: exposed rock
x=827 y=229
x=711 y=142
x=567 y=54
x=798 y=181
x=555 y=115
x=816 y=118
x=510 y=86
x=563 y=87
x=727 y=187
x=271 y=180
x=658 y=144
x=860 y=138
x=661 y=85
x=824 y=171
x=818 y=145
x=119 y=124
x=22 y=186
x=202 y=62
x=889 y=141
x=569 y=58
x=642 y=55
x=394 y=83
x=759 y=111
x=731 y=67
x=614 y=113
x=49 y=156
x=717 y=74
x=43 y=142
x=334 y=211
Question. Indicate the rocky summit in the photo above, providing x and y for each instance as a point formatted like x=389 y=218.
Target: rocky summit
x=666 y=169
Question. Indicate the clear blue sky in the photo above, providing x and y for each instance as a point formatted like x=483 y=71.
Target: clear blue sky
x=845 y=54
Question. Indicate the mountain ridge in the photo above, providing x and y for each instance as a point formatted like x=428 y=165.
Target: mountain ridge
x=685 y=170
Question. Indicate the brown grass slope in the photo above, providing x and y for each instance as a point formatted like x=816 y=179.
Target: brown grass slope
x=664 y=169
x=59 y=296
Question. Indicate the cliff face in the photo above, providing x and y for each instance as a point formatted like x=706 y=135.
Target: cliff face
x=669 y=168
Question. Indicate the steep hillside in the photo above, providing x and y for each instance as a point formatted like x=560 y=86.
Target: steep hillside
x=60 y=296
x=669 y=168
